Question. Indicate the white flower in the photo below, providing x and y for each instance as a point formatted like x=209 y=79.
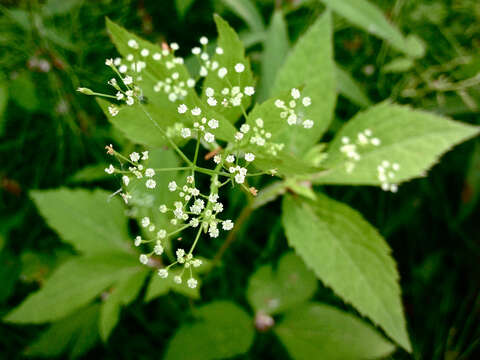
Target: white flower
x=149 y=172
x=163 y=273
x=279 y=104
x=222 y=72
x=239 y=178
x=133 y=44
x=249 y=157
x=212 y=101
x=123 y=69
x=230 y=159
x=180 y=253
x=190 y=83
x=218 y=207
x=238 y=136
x=145 y=221
x=245 y=128
x=150 y=183
x=249 y=90
x=213 y=232
x=209 y=137
x=119 y=95
x=157 y=56
x=174 y=46
x=182 y=109
x=185 y=132
x=144 y=52
x=134 y=156
x=190 y=179
x=259 y=122
x=213 y=198
x=110 y=169
x=192 y=283
x=204 y=40
x=209 y=92
x=196 y=111
x=129 y=101
x=308 y=124
x=128 y=80
x=375 y=141
x=239 y=67
x=203 y=71
x=196 y=50
x=138 y=241
x=219 y=50
x=306 y=101
x=113 y=110
x=158 y=249
x=295 y=93
x=177 y=279
x=213 y=123
x=217 y=159
x=126 y=180
x=227 y=225
x=144 y=259
x=292 y=119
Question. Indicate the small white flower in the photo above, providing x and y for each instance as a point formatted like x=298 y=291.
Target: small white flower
x=375 y=141
x=279 y=104
x=209 y=137
x=192 y=283
x=345 y=139
x=217 y=159
x=196 y=50
x=295 y=93
x=174 y=46
x=109 y=62
x=239 y=67
x=128 y=80
x=119 y=95
x=158 y=249
x=123 y=69
x=150 y=183
x=130 y=101
x=177 y=279
x=182 y=109
x=259 y=122
x=144 y=52
x=157 y=56
x=212 y=101
x=245 y=128
x=163 y=273
x=149 y=172
x=126 y=180
x=213 y=123
x=162 y=208
x=209 y=92
x=133 y=44
x=238 y=136
x=292 y=119
x=308 y=124
x=144 y=259
x=113 y=110
x=134 y=156
x=218 y=207
x=138 y=241
x=249 y=157
x=110 y=169
x=180 y=253
x=185 y=132
x=190 y=83
x=395 y=166
x=172 y=186
x=219 y=50
x=306 y=101
x=230 y=159
x=222 y=72
x=227 y=225
x=145 y=221
x=249 y=90
x=239 y=178
x=196 y=111
x=204 y=40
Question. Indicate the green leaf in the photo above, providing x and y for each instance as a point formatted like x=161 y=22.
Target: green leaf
x=405 y=134
x=371 y=19
x=61 y=7
x=3 y=104
x=233 y=53
x=275 y=49
x=159 y=287
x=183 y=6
x=73 y=285
x=314 y=331
x=348 y=255
x=23 y=92
x=77 y=332
x=90 y=221
x=122 y=293
x=348 y=87
x=246 y=10
x=310 y=66
x=90 y=173
x=222 y=330
x=290 y=285
x=398 y=65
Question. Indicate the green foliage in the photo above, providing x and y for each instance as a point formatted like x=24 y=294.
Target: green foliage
x=349 y=256
x=183 y=6
x=221 y=330
x=405 y=133
x=349 y=88
x=159 y=287
x=246 y=10
x=3 y=104
x=313 y=331
x=291 y=284
x=85 y=219
x=23 y=93
x=76 y=333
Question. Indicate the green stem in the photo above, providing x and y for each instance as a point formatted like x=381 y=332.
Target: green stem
x=196 y=239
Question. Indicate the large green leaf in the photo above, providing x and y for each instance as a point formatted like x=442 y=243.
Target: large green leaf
x=311 y=68
x=290 y=285
x=222 y=330
x=370 y=18
x=315 y=331
x=275 y=49
x=77 y=332
x=411 y=138
x=122 y=293
x=233 y=53
x=73 y=285
x=90 y=221
x=247 y=10
x=349 y=256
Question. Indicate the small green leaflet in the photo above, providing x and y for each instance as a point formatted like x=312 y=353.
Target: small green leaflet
x=314 y=331
x=73 y=285
x=222 y=330
x=370 y=18
x=92 y=222
x=233 y=53
x=411 y=138
x=274 y=292
x=348 y=255
x=77 y=333
x=309 y=67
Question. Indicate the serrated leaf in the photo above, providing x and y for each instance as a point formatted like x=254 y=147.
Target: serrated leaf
x=412 y=138
x=159 y=287
x=348 y=87
x=370 y=18
x=275 y=49
x=315 y=331
x=222 y=330
x=233 y=53
x=274 y=292
x=77 y=332
x=88 y=220
x=73 y=285
x=122 y=293
x=247 y=10
x=309 y=66
x=348 y=255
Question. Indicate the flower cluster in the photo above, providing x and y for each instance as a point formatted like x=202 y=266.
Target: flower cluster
x=294 y=110
x=386 y=175
x=351 y=148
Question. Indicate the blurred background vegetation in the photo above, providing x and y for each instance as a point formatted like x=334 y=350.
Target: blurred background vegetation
x=49 y=133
